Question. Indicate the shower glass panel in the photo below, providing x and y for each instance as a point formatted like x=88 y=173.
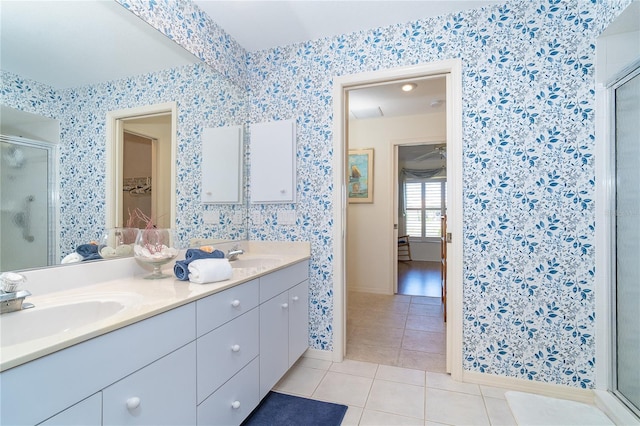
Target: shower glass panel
x=627 y=235
x=26 y=214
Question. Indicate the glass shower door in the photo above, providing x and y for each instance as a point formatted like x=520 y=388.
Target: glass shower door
x=627 y=244
x=25 y=205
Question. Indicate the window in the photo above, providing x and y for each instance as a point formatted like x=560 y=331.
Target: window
x=425 y=201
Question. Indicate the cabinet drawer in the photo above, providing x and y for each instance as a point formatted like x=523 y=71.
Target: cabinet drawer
x=84 y=413
x=282 y=280
x=226 y=350
x=234 y=401
x=215 y=310
x=165 y=391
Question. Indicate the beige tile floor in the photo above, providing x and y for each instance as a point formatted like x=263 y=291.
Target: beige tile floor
x=388 y=395
x=396 y=330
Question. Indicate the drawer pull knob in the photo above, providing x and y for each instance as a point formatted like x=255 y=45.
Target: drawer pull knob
x=235 y=303
x=235 y=348
x=285 y=305
x=295 y=298
x=133 y=403
x=235 y=405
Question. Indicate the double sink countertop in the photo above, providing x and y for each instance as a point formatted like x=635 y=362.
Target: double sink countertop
x=74 y=303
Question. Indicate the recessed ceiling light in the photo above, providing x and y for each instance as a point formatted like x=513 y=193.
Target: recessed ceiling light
x=407 y=87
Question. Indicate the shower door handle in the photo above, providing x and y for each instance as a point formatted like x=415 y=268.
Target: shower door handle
x=23 y=219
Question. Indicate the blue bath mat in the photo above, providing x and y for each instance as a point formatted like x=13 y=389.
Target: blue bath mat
x=284 y=410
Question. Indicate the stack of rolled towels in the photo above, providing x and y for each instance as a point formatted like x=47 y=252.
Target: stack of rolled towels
x=203 y=265
x=83 y=252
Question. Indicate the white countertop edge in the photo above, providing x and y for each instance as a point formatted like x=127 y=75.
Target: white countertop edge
x=158 y=296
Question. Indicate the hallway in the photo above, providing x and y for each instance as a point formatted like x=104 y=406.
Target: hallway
x=397 y=330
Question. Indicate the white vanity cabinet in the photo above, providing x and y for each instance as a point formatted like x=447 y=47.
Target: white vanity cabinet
x=208 y=362
x=284 y=322
x=40 y=389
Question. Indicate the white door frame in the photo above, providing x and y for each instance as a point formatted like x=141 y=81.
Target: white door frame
x=114 y=130
x=453 y=70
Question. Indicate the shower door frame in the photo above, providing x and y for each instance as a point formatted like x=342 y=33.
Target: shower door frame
x=629 y=73
x=52 y=192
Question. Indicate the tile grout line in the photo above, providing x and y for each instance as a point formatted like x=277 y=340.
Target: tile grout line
x=368 y=394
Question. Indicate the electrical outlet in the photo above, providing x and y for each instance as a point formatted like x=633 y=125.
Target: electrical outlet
x=238 y=218
x=211 y=217
x=287 y=217
x=256 y=217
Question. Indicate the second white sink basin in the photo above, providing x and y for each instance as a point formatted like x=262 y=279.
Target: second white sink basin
x=254 y=262
x=59 y=316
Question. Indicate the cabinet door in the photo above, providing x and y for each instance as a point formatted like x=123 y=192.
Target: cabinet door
x=162 y=393
x=85 y=413
x=274 y=341
x=298 y=321
x=273 y=158
x=222 y=165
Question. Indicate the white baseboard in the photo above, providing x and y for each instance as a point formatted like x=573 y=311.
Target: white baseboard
x=546 y=389
x=613 y=408
x=318 y=354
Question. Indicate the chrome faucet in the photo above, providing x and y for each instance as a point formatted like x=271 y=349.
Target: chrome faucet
x=11 y=299
x=10 y=302
x=234 y=253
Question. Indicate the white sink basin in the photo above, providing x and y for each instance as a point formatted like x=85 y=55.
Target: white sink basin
x=255 y=262
x=58 y=317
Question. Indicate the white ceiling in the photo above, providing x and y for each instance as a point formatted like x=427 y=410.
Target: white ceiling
x=388 y=100
x=107 y=42
x=76 y=43
x=259 y=25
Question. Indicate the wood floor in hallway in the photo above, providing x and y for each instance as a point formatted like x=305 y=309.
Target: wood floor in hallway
x=419 y=278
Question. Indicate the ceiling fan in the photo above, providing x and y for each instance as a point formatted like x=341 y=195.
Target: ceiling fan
x=439 y=151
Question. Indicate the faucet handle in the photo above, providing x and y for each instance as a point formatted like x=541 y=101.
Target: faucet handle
x=11 y=281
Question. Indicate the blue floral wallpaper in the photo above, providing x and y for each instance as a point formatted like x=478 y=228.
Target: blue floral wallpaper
x=528 y=135
x=529 y=138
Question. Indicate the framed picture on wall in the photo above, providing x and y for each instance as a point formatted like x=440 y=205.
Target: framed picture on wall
x=360 y=175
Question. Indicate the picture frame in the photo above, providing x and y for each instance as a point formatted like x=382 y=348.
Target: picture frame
x=360 y=175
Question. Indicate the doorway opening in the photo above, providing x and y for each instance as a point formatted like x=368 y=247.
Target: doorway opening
x=384 y=252
x=137 y=181
x=141 y=164
x=421 y=197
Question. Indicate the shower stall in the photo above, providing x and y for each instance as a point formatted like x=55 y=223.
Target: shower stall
x=27 y=193
x=626 y=236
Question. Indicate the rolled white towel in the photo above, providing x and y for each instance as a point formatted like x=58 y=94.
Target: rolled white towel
x=204 y=271
x=72 y=258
